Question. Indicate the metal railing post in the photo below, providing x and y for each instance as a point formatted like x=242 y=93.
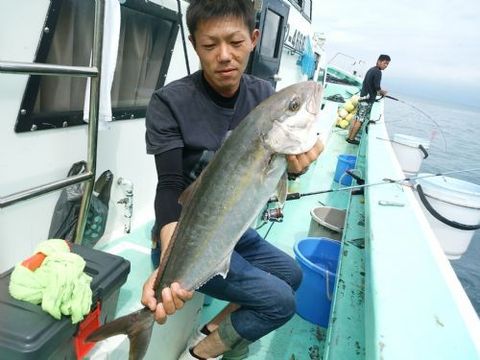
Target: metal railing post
x=92 y=118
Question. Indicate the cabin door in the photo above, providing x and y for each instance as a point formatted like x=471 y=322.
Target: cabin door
x=265 y=60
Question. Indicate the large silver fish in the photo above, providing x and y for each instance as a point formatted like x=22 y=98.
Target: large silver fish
x=219 y=206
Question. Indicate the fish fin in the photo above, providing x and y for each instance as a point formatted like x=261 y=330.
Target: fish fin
x=137 y=326
x=282 y=189
x=224 y=266
x=187 y=194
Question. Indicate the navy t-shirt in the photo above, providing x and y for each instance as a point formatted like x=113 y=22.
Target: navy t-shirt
x=185 y=124
x=371 y=83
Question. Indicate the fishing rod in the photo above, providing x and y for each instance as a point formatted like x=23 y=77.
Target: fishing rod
x=296 y=195
x=275 y=215
x=423 y=113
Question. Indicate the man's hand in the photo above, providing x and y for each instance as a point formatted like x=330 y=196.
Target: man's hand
x=383 y=92
x=298 y=164
x=173 y=298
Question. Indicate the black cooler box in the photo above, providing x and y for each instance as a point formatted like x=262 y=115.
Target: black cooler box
x=27 y=332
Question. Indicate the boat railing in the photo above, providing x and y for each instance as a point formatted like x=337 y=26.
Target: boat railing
x=92 y=72
x=348 y=63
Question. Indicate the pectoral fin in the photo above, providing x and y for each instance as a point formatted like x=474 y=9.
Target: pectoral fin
x=187 y=194
x=282 y=189
x=224 y=266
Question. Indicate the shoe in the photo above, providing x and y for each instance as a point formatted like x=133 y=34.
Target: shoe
x=195 y=338
x=186 y=355
x=354 y=141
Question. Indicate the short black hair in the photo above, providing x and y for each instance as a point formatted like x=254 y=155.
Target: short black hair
x=199 y=10
x=383 y=57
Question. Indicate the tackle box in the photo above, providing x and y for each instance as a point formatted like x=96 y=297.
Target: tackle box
x=29 y=333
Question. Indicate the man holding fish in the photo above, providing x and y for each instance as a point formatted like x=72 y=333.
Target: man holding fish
x=186 y=122
x=205 y=242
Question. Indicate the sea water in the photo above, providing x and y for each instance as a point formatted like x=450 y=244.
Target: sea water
x=454 y=131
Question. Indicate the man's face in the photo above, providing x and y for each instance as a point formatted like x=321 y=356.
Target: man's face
x=382 y=65
x=223 y=46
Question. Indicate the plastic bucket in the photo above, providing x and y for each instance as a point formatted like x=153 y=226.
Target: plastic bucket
x=327 y=222
x=456 y=200
x=318 y=259
x=408 y=153
x=345 y=162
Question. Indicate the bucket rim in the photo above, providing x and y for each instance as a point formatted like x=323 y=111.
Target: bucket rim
x=412 y=141
x=450 y=187
x=324 y=223
x=307 y=262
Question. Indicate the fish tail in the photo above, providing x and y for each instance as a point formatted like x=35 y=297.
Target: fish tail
x=137 y=326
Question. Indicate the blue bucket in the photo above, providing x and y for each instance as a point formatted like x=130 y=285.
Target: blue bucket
x=318 y=259
x=345 y=162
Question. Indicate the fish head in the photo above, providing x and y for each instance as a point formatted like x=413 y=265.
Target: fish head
x=293 y=111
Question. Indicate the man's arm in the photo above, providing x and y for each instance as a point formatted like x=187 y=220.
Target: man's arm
x=173 y=297
x=377 y=82
x=167 y=210
x=170 y=185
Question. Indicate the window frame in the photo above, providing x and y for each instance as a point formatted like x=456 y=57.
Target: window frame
x=28 y=121
x=300 y=6
x=278 y=38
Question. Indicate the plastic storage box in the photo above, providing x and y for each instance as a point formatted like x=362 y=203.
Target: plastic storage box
x=27 y=332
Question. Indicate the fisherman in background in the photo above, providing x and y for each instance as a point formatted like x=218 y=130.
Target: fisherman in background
x=187 y=121
x=370 y=89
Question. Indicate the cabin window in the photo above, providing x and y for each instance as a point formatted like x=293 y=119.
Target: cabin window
x=270 y=38
x=305 y=6
x=147 y=36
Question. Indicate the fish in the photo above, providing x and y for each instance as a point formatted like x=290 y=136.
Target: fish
x=225 y=199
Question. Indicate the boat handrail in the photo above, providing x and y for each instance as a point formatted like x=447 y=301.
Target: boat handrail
x=43 y=189
x=14 y=67
x=94 y=74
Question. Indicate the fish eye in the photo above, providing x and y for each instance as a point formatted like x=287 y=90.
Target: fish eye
x=294 y=105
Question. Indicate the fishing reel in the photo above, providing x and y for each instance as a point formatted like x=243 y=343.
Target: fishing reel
x=274 y=214
x=271 y=212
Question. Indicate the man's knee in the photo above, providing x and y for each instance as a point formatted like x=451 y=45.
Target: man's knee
x=297 y=276
x=283 y=304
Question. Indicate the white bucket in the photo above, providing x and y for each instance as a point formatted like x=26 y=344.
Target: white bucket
x=408 y=153
x=457 y=201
